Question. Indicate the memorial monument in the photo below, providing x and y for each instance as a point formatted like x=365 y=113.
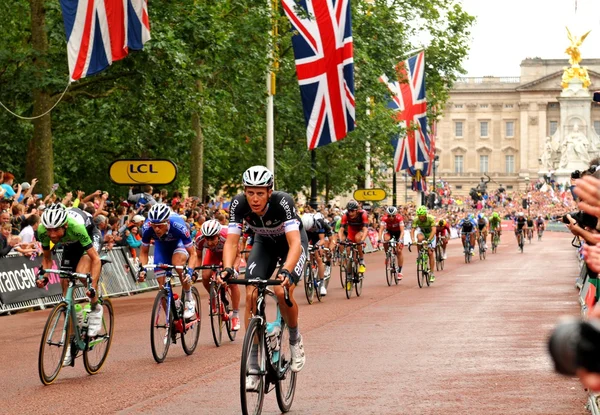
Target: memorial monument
x=575 y=142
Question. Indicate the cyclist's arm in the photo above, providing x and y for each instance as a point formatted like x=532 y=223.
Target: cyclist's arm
x=365 y=228
x=193 y=259
x=230 y=249
x=46 y=258
x=432 y=235
x=144 y=250
x=381 y=229
x=294 y=252
x=96 y=263
x=321 y=240
x=341 y=232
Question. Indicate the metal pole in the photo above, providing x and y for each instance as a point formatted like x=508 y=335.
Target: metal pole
x=271 y=90
x=313 y=180
x=393 y=186
x=405 y=187
x=368 y=165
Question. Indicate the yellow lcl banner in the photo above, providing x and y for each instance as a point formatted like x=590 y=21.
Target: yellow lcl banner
x=362 y=195
x=136 y=172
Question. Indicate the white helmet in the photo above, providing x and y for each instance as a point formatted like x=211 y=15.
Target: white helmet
x=211 y=228
x=54 y=216
x=318 y=216
x=308 y=221
x=391 y=210
x=337 y=217
x=159 y=213
x=258 y=176
x=520 y=214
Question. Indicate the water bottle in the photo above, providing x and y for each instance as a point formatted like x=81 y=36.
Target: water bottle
x=273 y=331
x=178 y=306
x=79 y=313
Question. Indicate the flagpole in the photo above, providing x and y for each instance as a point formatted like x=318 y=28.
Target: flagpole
x=393 y=186
x=271 y=88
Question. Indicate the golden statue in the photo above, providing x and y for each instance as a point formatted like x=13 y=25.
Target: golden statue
x=575 y=71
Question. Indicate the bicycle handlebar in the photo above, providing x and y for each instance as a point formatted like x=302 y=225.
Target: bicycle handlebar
x=260 y=282
x=426 y=242
x=63 y=273
x=211 y=267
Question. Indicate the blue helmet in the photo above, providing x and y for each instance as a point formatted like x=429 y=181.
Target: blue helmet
x=480 y=216
x=471 y=216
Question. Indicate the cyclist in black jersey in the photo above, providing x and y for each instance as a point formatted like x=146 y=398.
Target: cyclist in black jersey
x=520 y=225
x=278 y=235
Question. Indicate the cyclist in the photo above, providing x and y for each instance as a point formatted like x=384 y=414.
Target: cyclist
x=393 y=225
x=540 y=225
x=442 y=231
x=355 y=223
x=316 y=230
x=213 y=236
x=467 y=227
x=496 y=224
x=172 y=245
x=278 y=233
x=423 y=227
x=530 y=226
x=81 y=240
x=482 y=228
x=520 y=225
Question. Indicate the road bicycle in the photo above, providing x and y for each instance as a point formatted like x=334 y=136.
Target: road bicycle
x=167 y=324
x=349 y=270
x=391 y=269
x=467 y=246
x=495 y=241
x=336 y=256
x=439 y=254
x=343 y=261
x=529 y=234
x=219 y=306
x=423 y=271
x=271 y=341
x=62 y=331
x=520 y=239
x=540 y=232
x=310 y=274
x=481 y=244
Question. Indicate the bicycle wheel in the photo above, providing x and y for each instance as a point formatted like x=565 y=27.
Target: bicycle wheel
x=228 y=310
x=349 y=281
x=394 y=269
x=97 y=348
x=388 y=269
x=438 y=257
x=160 y=327
x=216 y=318
x=191 y=330
x=285 y=388
x=420 y=274
x=358 y=283
x=343 y=263
x=426 y=270
x=309 y=285
x=53 y=346
x=317 y=283
x=252 y=400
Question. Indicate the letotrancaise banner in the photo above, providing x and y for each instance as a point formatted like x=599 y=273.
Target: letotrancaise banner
x=17 y=280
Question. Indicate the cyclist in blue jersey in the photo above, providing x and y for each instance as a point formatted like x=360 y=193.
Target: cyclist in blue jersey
x=172 y=245
x=467 y=227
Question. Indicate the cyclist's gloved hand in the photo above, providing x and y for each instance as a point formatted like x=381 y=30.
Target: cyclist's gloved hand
x=189 y=274
x=226 y=274
x=41 y=280
x=286 y=277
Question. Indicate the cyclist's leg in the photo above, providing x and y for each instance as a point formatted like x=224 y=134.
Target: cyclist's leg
x=261 y=263
x=358 y=239
x=71 y=256
x=432 y=254
x=210 y=258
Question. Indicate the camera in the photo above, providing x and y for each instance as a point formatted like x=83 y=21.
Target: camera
x=575 y=344
x=583 y=219
x=576 y=174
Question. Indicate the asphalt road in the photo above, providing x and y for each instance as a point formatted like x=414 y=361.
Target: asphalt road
x=472 y=343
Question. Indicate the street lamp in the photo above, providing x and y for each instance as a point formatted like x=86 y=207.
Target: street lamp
x=436 y=162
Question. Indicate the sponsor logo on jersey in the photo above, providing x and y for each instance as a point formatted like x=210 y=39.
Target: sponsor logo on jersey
x=287 y=208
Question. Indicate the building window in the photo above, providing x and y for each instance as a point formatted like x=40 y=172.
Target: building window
x=510 y=164
x=552 y=127
x=483 y=164
x=510 y=128
x=597 y=127
x=483 y=127
x=458 y=187
x=458 y=106
x=458 y=164
x=483 y=106
x=553 y=105
x=458 y=129
x=509 y=187
x=508 y=106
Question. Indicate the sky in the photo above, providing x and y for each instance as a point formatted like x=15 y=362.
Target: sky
x=508 y=31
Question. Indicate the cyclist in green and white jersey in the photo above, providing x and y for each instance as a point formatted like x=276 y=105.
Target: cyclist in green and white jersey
x=423 y=227
x=496 y=224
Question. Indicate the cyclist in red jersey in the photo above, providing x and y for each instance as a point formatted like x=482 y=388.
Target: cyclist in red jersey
x=442 y=234
x=393 y=225
x=356 y=222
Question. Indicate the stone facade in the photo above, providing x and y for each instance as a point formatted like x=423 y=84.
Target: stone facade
x=499 y=125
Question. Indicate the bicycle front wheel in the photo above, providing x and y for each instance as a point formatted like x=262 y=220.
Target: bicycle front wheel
x=55 y=340
x=252 y=373
x=388 y=269
x=309 y=285
x=216 y=318
x=191 y=329
x=285 y=388
x=97 y=348
x=349 y=284
x=228 y=311
x=161 y=323
x=420 y=272
x=426 y=270
x=358 y=284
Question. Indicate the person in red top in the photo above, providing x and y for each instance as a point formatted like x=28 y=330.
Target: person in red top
x=393 y=225
x=356 y=222
x=212 y=237
x=442 y=234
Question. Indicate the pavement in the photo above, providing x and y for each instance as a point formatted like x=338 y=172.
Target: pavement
x=472 y=343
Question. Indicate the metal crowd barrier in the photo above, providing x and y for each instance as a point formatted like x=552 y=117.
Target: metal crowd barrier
x=117 y=279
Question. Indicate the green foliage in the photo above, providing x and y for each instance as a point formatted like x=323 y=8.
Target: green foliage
x=211 y=57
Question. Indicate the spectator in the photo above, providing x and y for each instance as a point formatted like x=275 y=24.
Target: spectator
x=27 y=188
x=7 y=241
x=28 y=244
x=9 y=192
x=138 y=220
x=144 y=198
x=133 y=240
x=5 y=217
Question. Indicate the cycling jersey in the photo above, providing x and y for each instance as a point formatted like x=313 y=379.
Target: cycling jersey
x=495 y=223
x=320 y=226
x=529 y=223
x=357 y=223
x=539 y=222
x=467 y=225
x=442 y=230
x=392 y=223
x=482 y=223
x=520 y=221
x=425 y=225
x=176 y=239
x=337 y=226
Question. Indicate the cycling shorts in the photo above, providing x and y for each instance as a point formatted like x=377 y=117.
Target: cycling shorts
x=352 y=232
x=73 y=252
x=396 y=236
x=163 y=254
x=418 y=232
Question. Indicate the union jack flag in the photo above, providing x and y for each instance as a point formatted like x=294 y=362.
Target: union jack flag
x=325 y=67
x=100 y=32
x=409 y=100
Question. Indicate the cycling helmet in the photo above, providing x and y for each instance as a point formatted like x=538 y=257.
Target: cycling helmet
x=352 y=205
x=211 y=228
x=391 y=210
x=159 y=213
x=442 y=222
x=495 y=215
x=337 y=218
x=258 y=176
x=308 y=221
x=421 y=211
x=471 y=216
x=520 y=214
x=480 y=216
x=54 y=216
x=318 y=216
